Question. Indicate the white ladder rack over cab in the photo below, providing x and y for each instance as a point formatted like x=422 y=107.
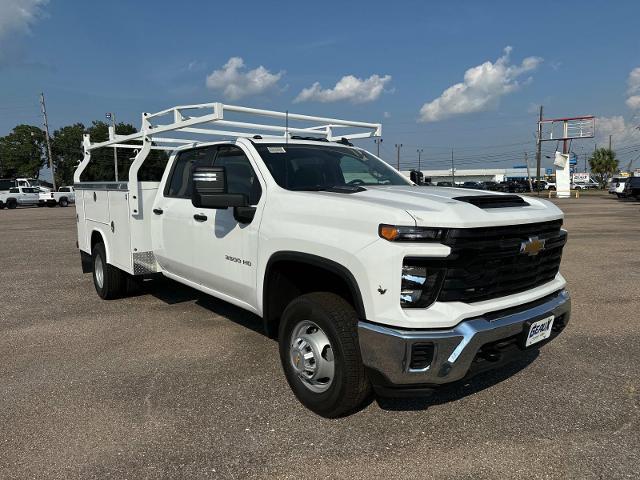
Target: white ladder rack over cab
x=191 y=119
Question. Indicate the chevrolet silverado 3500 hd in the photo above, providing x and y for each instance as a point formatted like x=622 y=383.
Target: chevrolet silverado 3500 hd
x=367 y=280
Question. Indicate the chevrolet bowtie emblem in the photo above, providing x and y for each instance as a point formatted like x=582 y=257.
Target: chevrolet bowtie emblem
x=532 y=247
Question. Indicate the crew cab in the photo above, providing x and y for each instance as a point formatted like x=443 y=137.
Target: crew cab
x=63 y=197
x=368 y=281
x=19 y=196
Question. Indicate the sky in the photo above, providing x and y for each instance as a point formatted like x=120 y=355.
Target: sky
x=466 y=76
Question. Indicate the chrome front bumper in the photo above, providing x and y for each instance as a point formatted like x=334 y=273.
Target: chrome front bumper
x=387 y=351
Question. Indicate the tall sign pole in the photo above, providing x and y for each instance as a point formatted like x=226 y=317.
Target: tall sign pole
x=46 y=132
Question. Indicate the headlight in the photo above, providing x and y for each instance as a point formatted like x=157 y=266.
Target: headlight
x=420 y=285
x=395 y=233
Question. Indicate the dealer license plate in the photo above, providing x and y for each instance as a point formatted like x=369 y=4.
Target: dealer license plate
x=539 y=330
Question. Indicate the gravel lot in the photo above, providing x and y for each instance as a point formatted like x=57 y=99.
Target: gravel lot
x=174 y=384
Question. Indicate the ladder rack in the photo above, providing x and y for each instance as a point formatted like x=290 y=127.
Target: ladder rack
x=193 y=120
x=185 y=120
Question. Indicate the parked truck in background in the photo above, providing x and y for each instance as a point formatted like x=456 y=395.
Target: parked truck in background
x=63 y=197
x=367 y=280
x=20 y=196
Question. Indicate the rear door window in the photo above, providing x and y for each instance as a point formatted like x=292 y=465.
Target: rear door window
x=179 y=184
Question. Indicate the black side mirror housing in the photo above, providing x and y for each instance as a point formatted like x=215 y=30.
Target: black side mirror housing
x=210 y=189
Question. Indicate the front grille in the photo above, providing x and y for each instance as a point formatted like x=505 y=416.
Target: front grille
x=486 y=262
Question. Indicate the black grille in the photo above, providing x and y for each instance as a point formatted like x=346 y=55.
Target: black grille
x=487 y=263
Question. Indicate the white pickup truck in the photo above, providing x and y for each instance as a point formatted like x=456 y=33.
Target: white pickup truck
x=63 y=197
x=20 y=196
x=367 y=280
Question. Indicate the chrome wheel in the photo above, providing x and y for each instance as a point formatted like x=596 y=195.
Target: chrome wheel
x=311 y=356
x=98 y=269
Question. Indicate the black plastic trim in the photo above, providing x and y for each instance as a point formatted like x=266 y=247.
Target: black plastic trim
x=316 y=261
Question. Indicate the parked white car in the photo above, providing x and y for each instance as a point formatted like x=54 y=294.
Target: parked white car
x=616 y=187
x=367 y=280
x=20 y=196
x=63 y=197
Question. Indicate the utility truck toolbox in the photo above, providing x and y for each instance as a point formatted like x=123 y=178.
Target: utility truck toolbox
x=368 y=281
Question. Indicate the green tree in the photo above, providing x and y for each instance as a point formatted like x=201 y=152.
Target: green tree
x=66 y=146
x=604 y=165
x=22 y=152
x=101 y=166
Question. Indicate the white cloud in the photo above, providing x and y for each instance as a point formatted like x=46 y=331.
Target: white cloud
x=481 y=89
x=633 y=101
x=16 y=19
x=235 y=82
x=386 y=114
x=623 y=133
x=349 y=88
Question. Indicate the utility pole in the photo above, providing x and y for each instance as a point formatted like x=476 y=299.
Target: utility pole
x=398 y=147
x=610 y=141
x=453 y=171
x=46 y=132
x=111 y=116
x=539 y=151
x=420 y=150
x=526 y=160
x=378 y=141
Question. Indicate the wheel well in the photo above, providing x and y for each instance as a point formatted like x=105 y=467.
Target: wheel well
x=96 y=237
x=290 y=276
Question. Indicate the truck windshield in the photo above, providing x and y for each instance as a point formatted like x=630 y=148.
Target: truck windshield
x=318 y=167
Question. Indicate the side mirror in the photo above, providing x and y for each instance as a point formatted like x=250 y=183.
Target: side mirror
x=210 y=189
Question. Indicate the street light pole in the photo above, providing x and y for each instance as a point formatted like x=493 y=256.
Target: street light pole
x=378 y=141
x=453 y=171
x=398 y=147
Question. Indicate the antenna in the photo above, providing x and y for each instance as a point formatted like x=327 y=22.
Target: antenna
x=286 y=127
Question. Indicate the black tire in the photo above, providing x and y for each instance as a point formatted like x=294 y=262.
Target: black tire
x=12 y=203
x=113 y=281
x=1 y=205
x=349 y=387
x=63 y=202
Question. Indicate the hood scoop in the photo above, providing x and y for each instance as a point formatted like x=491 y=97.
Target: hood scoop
x=494 y=201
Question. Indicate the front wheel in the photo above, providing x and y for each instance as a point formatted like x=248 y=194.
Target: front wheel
x=320 y=354
x=12 y=203
x=110 y=282
x=63 y=202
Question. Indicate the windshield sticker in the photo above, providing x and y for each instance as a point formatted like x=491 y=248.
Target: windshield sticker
x=276 y=150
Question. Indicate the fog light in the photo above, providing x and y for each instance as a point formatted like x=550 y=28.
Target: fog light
x=419 y=286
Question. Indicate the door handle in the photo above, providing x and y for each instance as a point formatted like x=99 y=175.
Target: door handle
x=200 y=218
x=158 y=211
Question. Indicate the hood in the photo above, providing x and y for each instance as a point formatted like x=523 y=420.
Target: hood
x=437 y=207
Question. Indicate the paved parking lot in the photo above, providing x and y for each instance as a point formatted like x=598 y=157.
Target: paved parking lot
x=173 y=384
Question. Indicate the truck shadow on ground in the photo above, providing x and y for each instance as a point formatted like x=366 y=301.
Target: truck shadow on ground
x=172 y=293
x=463 y=388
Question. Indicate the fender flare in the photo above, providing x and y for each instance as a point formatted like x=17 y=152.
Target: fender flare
x=104 y=241
x=317 y=261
